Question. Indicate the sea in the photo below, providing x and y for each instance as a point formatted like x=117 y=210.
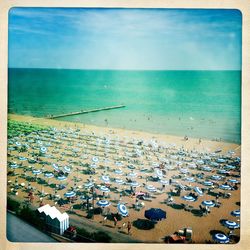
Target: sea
x=194 y=103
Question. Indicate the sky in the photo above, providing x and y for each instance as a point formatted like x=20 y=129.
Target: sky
x=133 y=39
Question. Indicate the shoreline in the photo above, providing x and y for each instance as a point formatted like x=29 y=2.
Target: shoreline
x=191 y=143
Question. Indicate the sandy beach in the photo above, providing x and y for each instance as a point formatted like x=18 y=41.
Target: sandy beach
x=139 y=155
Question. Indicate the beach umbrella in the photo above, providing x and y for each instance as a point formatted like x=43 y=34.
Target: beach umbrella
x=131 y=166
x=55 y=167
x=207 y=169
x=221 y=160
x=233 y=181
x=119 y=171
x=49 y=175
x=18 y=144
x=208 y=183
x=159 y=173
x=43 y=150
x=95 y=159
x=67 y=169
x=198 y=191
x=214 y=164
x=93 y=165
x=216 y=177
x=155 y=214
x=119 y=181
x=122 y=209
x=118 y=164
x=225 y=187
x=104 y=189
x=14 y=165
x=61 y=178
x=103 y=203
x=89 y=185
x=132 y=174
x=164 y=182
x=36 y=171
x=189 y=179
x=70 y=194
x=184 y=170
x=134 y=184
x=188 y=198
x=21 y=158
x=105 y=178
x=151 y=188
x=222 y=171
x=230 y=224
x=200 y=162
x=220 y=238
x=236 y=213
x=229 y=167
x=208 y=203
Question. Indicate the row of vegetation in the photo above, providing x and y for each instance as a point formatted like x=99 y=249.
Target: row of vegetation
x=16 y=128
x=30 y=215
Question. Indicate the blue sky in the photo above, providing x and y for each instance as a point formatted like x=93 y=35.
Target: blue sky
x=151 y=39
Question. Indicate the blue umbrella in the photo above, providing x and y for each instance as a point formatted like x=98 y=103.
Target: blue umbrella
x=119 y=181
x=200 y=162
x=105 y=178
x=189 y=179
x=104 y=189
x=67 y=169
x=216 y=177
x=55 y=167
x=222 y=171
x=132 y=174
x=159 y=173
x=184 y=170
x=14 y=165
x=225 y=187
x=118 y=171
x=188 y=198
x=208 y=203
x=119 y=164
x=95 y=159
x=102 y=203
x=93 y=165
x=231 y=224
x=70 y=194
x=122 y=209
x=208 y=183
x=220 y=160
x=18 y=144
x=155 y=214
x=198 y=191
x=89 y=185
x=220 y=238
x=151 y=188
x=229 y=167
x=36 y=171
x=134 y=184
x=207 y=169
x=164 y=182
x=49 y=175
x=233 y=181
x=21 y=158
x=43 y=150
x=236 y=213
x=61 y=178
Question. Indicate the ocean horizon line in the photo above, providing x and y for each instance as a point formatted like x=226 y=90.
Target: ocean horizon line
x=85 y=69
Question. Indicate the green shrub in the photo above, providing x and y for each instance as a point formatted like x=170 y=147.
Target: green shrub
x=13 y=205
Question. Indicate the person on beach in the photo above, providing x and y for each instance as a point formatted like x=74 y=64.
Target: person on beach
x=115 y=221
x=129 y=227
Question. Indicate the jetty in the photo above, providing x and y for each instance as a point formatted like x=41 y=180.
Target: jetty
x=85 y=111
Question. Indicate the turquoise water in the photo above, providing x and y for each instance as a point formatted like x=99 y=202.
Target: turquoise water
x=204 y=104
